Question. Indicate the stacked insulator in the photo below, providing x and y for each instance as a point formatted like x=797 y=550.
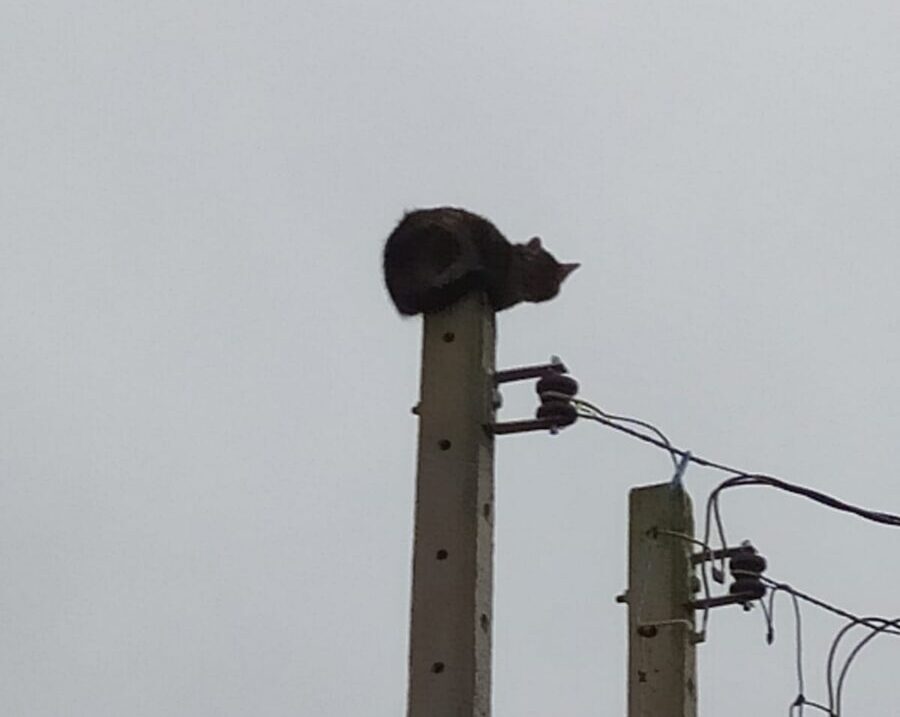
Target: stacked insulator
x=747 y=568
x=552 y=388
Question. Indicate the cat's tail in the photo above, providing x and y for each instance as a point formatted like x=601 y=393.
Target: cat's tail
x=431 y=261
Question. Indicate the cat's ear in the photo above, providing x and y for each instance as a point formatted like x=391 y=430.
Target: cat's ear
x=565 y=269
x=534 y=244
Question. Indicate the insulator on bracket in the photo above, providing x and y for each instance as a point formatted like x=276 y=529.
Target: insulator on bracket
x=746 y=567
x=555 y=391
x=552 y=387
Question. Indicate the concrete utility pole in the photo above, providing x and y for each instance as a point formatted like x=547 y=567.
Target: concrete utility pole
x=661 y=652
x=450 y=633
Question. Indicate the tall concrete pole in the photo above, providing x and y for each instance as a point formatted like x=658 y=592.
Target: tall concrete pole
x=450 y=633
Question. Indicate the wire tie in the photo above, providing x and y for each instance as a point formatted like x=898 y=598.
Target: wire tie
x=680 y=469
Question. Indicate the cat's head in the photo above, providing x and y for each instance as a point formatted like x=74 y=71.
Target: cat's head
x=543 y=274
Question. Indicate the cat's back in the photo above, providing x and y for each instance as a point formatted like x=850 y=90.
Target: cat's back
x=444 y=225
x=436 y=255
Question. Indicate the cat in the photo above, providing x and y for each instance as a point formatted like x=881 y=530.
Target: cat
x=436 y=256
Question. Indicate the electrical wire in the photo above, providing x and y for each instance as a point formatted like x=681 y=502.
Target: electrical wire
x=808 y=703
x=769 y=614
x=713 y=509
x=853 y=653
x=661 y=441
x=748 y=479
x=829 y=663
x=740 y=478
x=854 y=619
x=877 y=625
x=614 y=420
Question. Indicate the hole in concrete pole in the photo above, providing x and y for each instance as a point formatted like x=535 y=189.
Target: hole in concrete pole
x=441 y=554
x=444 y=444
x=449 y=337
x=485 y=622
x=487 y=510
x=437 y=667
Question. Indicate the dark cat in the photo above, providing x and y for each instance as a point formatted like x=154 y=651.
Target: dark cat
x=436 y=256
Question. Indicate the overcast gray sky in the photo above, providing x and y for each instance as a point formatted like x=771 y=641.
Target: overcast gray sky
x=206 y=450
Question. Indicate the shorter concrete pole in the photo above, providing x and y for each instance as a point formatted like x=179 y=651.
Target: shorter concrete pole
x=661 y=652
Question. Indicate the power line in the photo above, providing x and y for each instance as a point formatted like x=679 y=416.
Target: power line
x=713 y=510
x=615 y=421
x=823 y=498
x=854 y=619
x=608 y=419
x=877 y=625
x=798 y=641
x=740 y=478
x=835 y=695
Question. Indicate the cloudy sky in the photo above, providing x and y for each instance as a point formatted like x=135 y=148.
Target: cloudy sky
x=206 y=450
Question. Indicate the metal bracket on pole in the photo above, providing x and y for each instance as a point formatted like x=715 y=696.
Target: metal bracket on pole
x=525 y=372
x=554 y=388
